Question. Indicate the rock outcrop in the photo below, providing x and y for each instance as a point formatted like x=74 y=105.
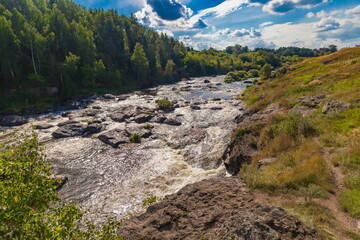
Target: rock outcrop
x=12 y=120
x=214 y=209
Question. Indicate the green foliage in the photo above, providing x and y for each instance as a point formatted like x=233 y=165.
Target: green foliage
x=149 y=201
x=164 y=104
x=265 y=71
x=135 y=138
x=30 y=207
x=140 y=63
x=148 y=126
x=350 y=202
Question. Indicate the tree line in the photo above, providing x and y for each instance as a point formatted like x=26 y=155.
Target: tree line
x=53 y=50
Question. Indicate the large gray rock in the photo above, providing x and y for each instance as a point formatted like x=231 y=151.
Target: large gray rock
x=214 y=209
x=114 y=137
x=13 y=120
x=42 y=126
x=173 y=122
x=335 y=106
x=119 y=117
x=143 y=118
x=70 y=130
x=94 y=128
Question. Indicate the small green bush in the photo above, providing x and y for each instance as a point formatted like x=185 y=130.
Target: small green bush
x=135 y=138
x=149 y=201
x=164 y=104
x=148 y=126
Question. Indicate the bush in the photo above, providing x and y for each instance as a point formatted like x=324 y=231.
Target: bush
x=30 y=207
x=164 y=104
x=148 y=126
x=135 y=138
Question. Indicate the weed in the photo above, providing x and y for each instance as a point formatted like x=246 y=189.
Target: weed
x=148 y=126
x=149 y=201
x=135 y=138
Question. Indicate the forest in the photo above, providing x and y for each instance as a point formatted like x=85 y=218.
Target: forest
x=55 y=50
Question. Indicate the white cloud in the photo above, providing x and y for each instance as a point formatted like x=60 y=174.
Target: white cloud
x=266 y=24
x=167 y=32
x=310 y=15
x=223 y=9
x=355 y=10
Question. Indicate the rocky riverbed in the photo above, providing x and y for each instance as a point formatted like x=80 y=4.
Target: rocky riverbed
x=110 y=176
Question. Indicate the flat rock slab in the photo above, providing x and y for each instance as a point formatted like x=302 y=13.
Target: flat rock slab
x=70 y=130
x=114 y=137
x=143 y=118
x=12 y=120
x=119 y=117
x=214 y=209
x=42 y=126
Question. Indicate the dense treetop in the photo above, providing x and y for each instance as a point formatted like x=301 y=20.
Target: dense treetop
x=53 y=50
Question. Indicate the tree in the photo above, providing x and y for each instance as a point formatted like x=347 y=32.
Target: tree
x=140 y=63
x=169 y=70
x=265 y=71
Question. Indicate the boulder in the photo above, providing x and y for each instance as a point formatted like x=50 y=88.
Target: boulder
x=119 y=117
x=216 y=108
x=108 y=96
x=13 y=120
x=158 y=119
x=335 y=106
x=94 y=128
x=67 y=123
x=114 y=137
x=42 y=126
x=142 y=118
x=171 y=121
x=206 y=81
x=70 y=130
x=220 y=208
x=195 y=107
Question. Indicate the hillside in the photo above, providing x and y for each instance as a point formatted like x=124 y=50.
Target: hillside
x=298 y=143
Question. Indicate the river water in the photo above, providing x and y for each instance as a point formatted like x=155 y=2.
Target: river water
x=109 y=181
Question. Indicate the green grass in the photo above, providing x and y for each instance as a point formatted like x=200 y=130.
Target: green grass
x=149 y=201
x=315 y=216
x=350 y=202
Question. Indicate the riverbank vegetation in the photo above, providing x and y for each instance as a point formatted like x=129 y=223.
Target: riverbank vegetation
x=54 y=50
x=309 y=146
x=29 y=205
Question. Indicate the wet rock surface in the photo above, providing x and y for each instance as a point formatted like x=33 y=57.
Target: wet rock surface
x=219 y=208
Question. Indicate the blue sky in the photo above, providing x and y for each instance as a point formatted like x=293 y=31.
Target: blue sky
x=254 y=23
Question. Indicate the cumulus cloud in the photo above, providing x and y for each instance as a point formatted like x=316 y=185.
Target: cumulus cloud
x=310 y=15
x=245 y=32
x=327 y=24
x=169 y=9
x=169 y=14
x=284 y=6
x=354 y=11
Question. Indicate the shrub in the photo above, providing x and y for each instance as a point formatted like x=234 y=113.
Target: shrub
x=148 y=126
x=30 y=207
x=149 y=201
x=164 y=104
x=135 y=138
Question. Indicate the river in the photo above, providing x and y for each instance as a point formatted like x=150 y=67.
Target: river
x=108 y=181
